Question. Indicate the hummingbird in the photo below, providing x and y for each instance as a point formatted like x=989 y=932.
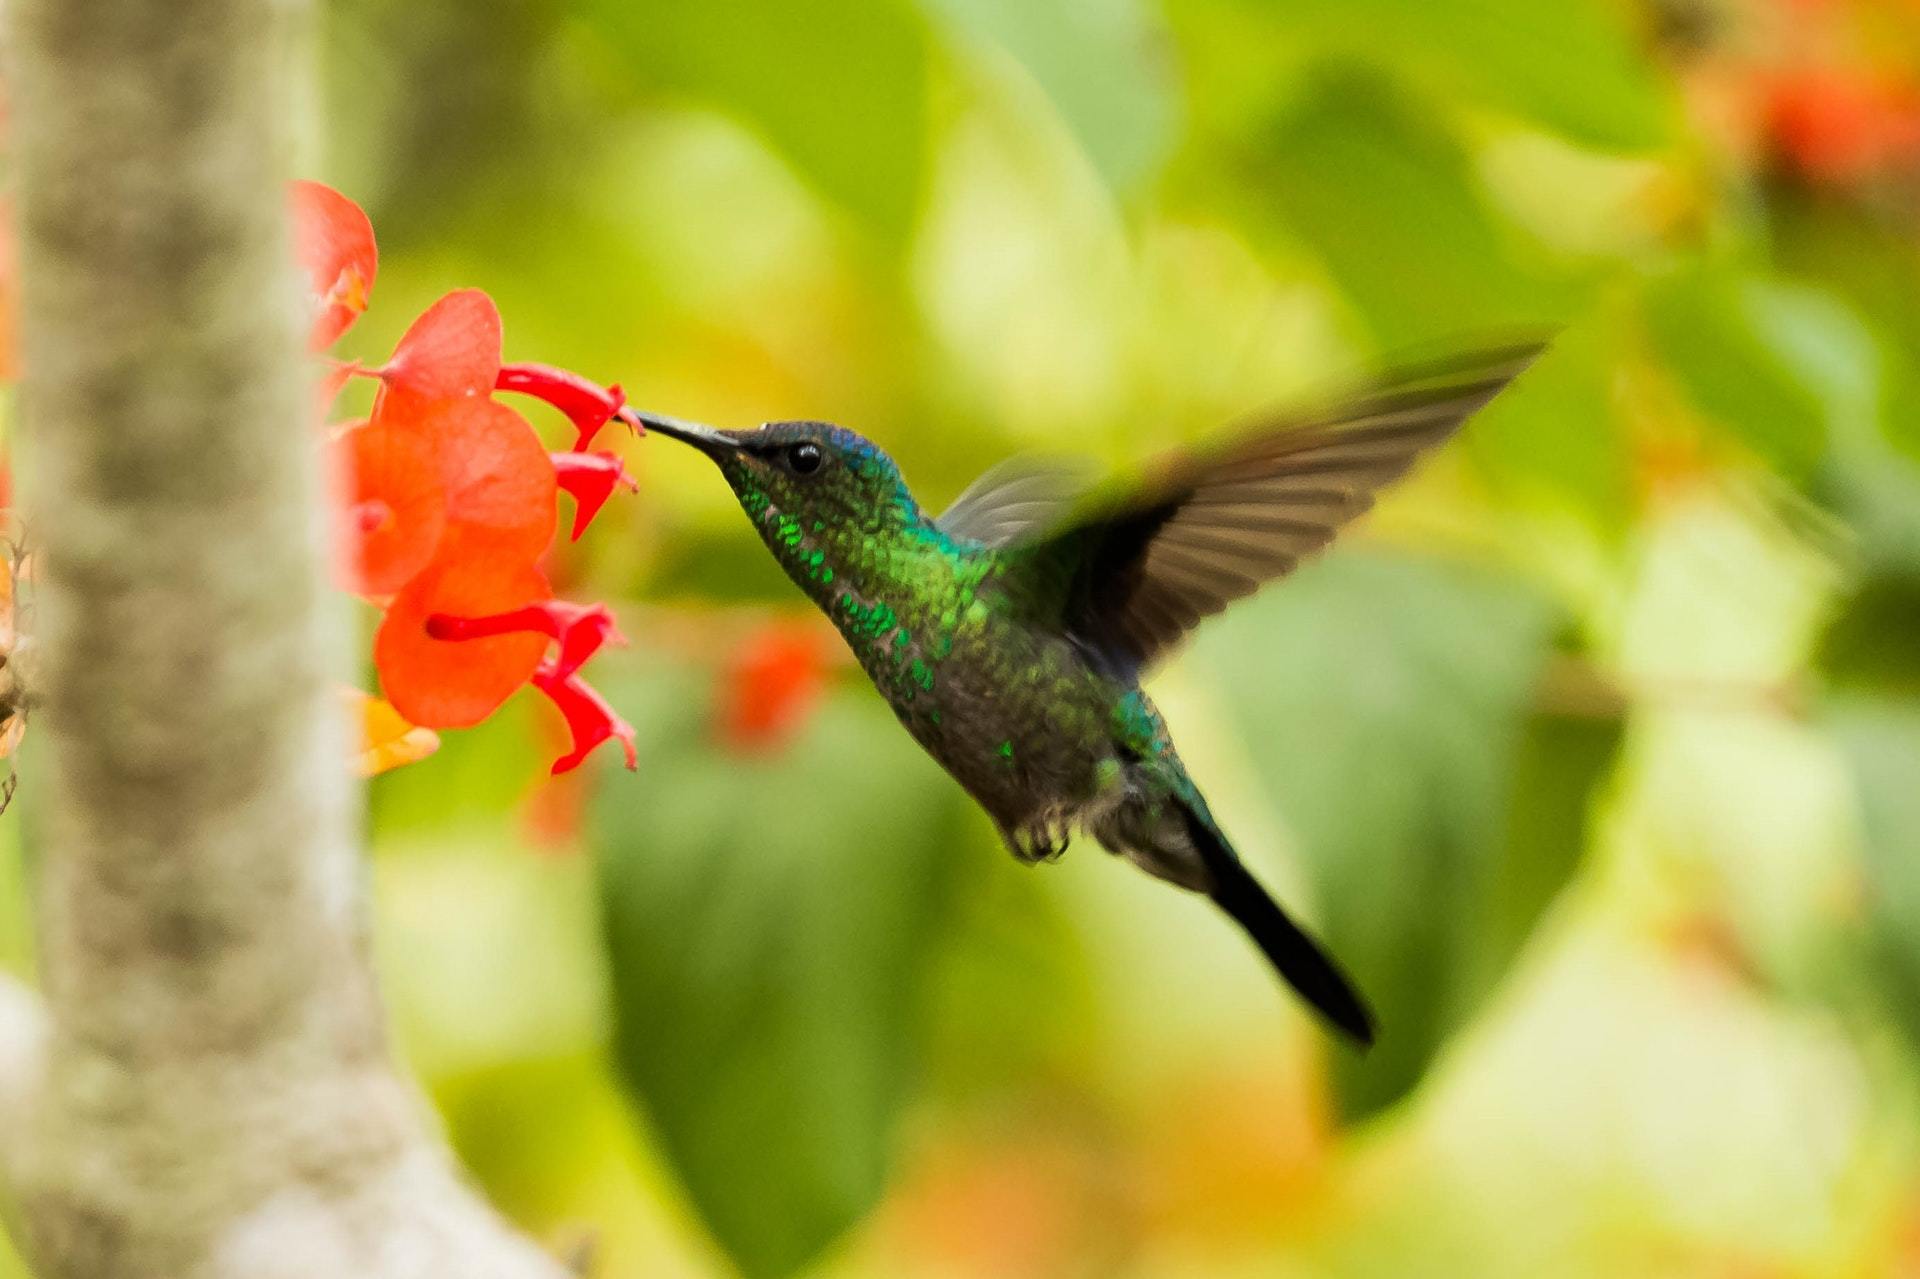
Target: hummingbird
x=1009 y=634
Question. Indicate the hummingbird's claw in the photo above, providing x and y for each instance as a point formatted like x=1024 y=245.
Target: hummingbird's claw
x=1040 y=842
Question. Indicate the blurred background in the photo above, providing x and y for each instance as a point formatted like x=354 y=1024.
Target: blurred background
x=1595 y=753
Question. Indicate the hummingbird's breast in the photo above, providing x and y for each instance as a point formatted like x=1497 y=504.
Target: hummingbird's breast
x=1003 y=700
x=1024 y=723
x=1008 y=706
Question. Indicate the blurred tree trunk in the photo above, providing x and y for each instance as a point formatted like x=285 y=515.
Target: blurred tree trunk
x=207 y=1089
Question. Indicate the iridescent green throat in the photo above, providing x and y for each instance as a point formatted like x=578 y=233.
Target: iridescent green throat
x=895 y=585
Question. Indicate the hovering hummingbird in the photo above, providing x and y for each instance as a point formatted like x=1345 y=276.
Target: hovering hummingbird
x=1009 y=633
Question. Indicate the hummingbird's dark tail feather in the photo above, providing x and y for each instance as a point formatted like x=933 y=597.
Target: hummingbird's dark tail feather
x=1296 y=956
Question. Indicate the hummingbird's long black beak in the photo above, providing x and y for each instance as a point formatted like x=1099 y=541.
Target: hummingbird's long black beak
x=705 y=438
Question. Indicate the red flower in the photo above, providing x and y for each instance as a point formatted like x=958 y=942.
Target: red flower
x=591 y=478
x=500 y=485
x=772 y=681
x=579 y=629
x=1836 y=126
x=588 y=405
x=452 y=352
x=589 y=719
x=333 y=242
x=448 y=501
x=440 y=683
x=394 y=508
x=327 y=388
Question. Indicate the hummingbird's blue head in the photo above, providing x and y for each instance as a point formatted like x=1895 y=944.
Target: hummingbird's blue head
x=819 y=494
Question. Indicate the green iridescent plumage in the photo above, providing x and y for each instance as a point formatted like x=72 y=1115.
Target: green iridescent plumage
x=1009 y=634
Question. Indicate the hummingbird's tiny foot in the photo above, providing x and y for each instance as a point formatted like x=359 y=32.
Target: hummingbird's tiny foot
x=1037 y=843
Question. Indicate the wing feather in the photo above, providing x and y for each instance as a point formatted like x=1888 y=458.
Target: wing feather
x=1212 y=527
x=1014 y=499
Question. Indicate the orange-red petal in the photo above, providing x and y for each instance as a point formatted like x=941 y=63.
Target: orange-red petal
x=590 y=719
x=333 y=242
x=587 y=404
x=393 y=506
x=591 y=478
x=499 y=481
x=457 y=683
x=579 y=629
x=452 y=352
x=326 y=387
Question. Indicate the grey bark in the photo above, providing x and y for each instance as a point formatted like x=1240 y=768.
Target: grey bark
x=214 y=1094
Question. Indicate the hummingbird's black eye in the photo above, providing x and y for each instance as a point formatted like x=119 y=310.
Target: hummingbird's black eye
x=805 y=458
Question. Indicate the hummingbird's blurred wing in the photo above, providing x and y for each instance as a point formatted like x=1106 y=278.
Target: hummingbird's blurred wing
x=1210 y=526
x=1017 y=498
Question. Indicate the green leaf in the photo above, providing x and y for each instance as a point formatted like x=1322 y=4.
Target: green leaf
x=1098 y=61
x=1868 y=648
x=837 y=87
x=769 y=922
x=1388 y=201
x=1575 y=66
x=1868 y=655
x=1560 y=760
x=1783 y=367
x=1870 y=643
x=1870 y=261
x=1877 y=491
x=1881 y=740
x=1388 y=703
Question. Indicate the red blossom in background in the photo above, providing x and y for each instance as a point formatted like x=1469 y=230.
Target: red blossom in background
x=449 y=500
x=1836 y=126
x=1807 y=88
x=772 y=680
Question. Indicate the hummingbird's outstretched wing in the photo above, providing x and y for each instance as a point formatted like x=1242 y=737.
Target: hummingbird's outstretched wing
x=1210 y=526
x=1017 y=498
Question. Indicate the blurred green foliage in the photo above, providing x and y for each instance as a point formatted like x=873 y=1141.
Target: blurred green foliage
x=840 y=90
x=1595 y=755
x=1395 y=216
x=1579 y=70
x=1388 y=709
x=768 y=958
x=1882 y=742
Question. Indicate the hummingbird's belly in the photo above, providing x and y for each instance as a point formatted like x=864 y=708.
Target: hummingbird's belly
x=1025 y=732
x=1014 y=712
